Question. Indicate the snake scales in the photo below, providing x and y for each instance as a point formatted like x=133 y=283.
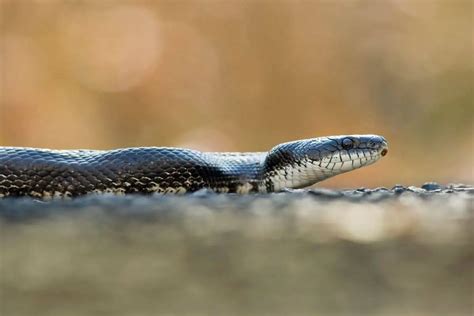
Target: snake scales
x=44 y=173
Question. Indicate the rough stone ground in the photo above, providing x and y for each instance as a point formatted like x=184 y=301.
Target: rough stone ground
x=400 y=251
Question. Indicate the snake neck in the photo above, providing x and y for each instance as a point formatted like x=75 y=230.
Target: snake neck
x=283 y=168
x=262 y=172
x=241 y=172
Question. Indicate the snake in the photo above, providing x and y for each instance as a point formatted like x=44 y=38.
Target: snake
x=51 y=173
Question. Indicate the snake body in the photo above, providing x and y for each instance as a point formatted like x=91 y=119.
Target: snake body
x=44 y=173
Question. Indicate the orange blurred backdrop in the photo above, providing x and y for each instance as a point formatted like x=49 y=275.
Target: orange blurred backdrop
x=244 y=76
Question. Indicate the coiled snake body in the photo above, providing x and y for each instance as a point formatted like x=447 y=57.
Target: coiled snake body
x=44 y=173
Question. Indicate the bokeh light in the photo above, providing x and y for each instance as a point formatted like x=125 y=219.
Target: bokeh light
x=119 y=46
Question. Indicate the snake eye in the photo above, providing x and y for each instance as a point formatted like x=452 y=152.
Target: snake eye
x=347 y=143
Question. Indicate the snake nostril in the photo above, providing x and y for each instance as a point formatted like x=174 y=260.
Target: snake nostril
x=384 y=152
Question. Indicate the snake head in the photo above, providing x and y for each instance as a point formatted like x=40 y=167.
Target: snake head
x=304 y=162
x=348 y=147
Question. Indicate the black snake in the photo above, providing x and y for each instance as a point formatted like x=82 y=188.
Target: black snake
x=44 y=173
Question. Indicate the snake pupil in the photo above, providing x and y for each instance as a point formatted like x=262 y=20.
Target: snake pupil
x=347 y=143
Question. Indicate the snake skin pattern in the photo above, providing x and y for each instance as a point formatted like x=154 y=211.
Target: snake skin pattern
x=44 y=173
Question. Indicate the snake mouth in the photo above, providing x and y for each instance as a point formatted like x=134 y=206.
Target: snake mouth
x=384 y=152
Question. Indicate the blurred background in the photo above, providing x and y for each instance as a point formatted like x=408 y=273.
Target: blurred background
x=241 y=76
x=244 y=76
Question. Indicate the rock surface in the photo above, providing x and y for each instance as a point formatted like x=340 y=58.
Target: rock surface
x=400 y=251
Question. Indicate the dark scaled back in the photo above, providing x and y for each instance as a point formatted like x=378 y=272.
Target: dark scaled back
x=38 y=173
